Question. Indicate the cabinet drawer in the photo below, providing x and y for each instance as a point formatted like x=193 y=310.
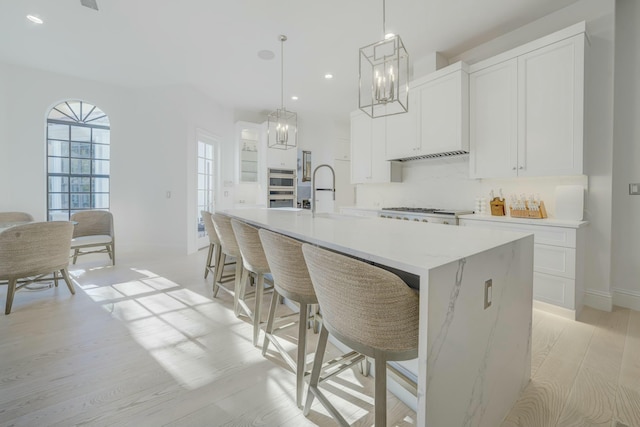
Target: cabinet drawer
x=554 y=260
x=543 y=234
x=554 y=290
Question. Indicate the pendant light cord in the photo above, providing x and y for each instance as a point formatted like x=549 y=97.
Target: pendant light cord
x=384 y=28
x=282 y=40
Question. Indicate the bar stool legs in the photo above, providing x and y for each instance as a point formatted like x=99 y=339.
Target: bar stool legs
x=300 y=364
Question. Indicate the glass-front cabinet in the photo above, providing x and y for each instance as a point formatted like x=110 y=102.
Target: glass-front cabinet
x=249 y=148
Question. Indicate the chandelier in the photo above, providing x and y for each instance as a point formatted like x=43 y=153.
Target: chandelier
x=282 y=125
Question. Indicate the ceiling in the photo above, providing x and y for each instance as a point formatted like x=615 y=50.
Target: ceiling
x=212 y=45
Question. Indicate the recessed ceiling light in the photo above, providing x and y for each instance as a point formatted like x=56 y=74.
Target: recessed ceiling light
x=34 y=19
x=266 y=55
x=295 y=98
x=328 y=76
x=388 y=36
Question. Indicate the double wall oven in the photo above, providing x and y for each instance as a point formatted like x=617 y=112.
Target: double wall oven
x=282 y=188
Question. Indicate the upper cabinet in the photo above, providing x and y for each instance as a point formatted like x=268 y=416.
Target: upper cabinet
x=282 y=159
x=526 y=109
x=437 y=121
x=249 y=152
x=368 y=163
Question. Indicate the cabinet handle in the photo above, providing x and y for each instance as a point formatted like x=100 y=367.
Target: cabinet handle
x=513 y=168
x=521 y=167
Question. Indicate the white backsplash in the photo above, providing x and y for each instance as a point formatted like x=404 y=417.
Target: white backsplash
x=444 y=183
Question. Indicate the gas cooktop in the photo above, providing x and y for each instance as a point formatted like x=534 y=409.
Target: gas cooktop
x=451 y=212
x=428 y=211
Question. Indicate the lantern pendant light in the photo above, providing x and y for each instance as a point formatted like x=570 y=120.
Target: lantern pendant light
x=384 y=75
x=282 y=125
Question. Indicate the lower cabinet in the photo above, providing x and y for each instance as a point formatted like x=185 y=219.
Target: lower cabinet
x=558 y=263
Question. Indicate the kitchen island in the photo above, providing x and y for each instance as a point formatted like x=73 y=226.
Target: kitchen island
x=475 y=304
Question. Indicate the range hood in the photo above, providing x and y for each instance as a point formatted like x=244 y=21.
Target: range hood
x=431 y=156
x=437 y=123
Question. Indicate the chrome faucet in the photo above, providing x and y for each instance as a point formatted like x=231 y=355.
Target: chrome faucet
x=314 y=189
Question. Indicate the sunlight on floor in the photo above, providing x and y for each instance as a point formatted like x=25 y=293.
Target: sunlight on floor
x=172 y=323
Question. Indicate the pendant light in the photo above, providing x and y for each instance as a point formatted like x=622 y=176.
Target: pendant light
x=282 y=125
x=384 y=75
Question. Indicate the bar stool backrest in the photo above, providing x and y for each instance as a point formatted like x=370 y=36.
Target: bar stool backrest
x=228 y=242
x=290 y=275
x=209 y=228
x=253 y=256
x=367 y=308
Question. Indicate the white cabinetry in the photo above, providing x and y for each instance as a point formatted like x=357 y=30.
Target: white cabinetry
x=493 y=120
x=282 y=159
x=526 y=109
x=368 y=163
x=250 y=152
x=557 y=259
x=437 y=121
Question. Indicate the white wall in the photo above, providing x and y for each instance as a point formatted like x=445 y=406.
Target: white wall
x=151 y=130
x=319 y=134
x=626 y=157
x=4 y=179
x=445 y=183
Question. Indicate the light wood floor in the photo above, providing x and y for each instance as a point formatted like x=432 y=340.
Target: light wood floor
x=144 y=344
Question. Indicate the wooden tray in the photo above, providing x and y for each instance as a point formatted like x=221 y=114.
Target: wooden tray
x=526 y=213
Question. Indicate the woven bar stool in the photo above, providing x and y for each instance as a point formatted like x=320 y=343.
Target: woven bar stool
x=366 y=308
x=292 y=281
x=229 y=247
x=215 y=253
x=255 y=263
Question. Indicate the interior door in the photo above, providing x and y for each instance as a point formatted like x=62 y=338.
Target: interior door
x=206 y=185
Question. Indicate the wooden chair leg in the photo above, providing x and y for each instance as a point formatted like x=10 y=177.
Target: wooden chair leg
x=317 y=367
x=269 y=328
x=257 y=310
x=67 y=279
x=10 y=293
x=218 y=271
x=240 y=279
x=301 y=362
x=75 y=255
x=380 y=397
x=208 y=263
x=55 y=278
x=112 y=246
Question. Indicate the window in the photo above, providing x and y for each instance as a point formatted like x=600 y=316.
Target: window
x=78 y=153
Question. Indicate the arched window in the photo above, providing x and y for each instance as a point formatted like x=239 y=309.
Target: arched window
x=78 y=136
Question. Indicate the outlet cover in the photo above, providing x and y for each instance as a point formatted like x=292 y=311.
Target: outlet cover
x=634 y=189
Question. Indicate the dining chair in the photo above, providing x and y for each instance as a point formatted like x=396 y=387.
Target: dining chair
x=11 y=217
x=368 y=309
x=32 y=252
x=93 y=229
x=215 y=253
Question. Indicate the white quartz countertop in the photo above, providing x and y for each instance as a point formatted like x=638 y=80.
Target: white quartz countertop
x=409 y=246
x=552 y=222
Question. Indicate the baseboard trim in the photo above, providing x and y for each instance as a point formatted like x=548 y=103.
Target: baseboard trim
x=626 y=298
x=598 y=299
x=555 y=309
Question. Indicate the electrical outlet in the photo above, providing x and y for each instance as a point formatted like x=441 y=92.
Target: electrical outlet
x=634 y=189
x=488 y=285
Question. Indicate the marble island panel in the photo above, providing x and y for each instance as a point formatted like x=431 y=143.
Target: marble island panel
x=474 y=358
